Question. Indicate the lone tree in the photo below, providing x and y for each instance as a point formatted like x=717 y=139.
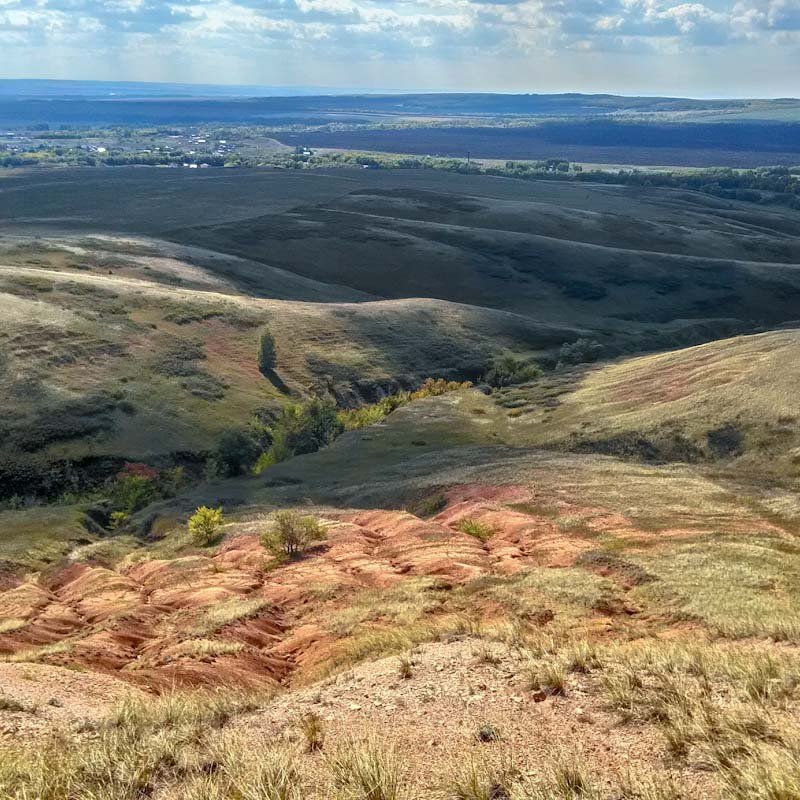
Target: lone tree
x=204 y=525
x=292 y=533
x=266 y=353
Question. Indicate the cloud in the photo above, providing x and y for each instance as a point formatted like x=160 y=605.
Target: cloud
x=771 y=15
x=462 y=33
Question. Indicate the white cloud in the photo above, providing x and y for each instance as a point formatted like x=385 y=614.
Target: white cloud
x=452 y=36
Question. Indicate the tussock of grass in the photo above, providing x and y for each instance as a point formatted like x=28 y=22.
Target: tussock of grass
x=366 y=770
x=481 y=781
x=145 y=743
x=566 y=779
x=485 y=654
x=202 y=649
x=36 y=654
x=313 y=732
x=549 y=677
x=405 y=668
x=649 y=787
x=13 y=705
x=226 y=613
x=473 y=527
x=12 y=624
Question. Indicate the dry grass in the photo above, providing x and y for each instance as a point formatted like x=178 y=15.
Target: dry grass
x=12 y=705
x=365 y=770
x=36 y=654
x=738 y=587
x=226 y=613
x=12 y=624
x=549 y=677
x=177 y=746
x=313 y=731
x=202 y=649
x=483 y=781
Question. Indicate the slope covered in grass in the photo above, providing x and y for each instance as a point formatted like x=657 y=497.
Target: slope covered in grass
x=133 y=349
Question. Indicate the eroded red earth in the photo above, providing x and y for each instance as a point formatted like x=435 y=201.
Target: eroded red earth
x=152 y=622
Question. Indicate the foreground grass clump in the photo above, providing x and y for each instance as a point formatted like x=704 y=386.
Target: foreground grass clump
x=177 y=747
x=365 y=771
x=145 y=743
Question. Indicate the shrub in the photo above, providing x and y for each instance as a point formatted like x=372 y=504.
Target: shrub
x=580 y=352
x=267 y=355
x=301 y=428
x=204 y=525
x=237 y=451
x=355 y=418
x=134 y=488
x=292 y=533
x=507 y=369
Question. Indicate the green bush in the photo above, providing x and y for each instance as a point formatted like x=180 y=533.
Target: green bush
x=204 y=525
x=133 y=492
x=237 y=451
x=292 y=533
x=507 y=369
x=580 y=352
x=301 y=428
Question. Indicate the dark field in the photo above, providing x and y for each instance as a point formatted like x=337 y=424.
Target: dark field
x=695 y=145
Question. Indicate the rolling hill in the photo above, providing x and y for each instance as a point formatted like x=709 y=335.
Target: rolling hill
x=605 y=554
x=135 y=299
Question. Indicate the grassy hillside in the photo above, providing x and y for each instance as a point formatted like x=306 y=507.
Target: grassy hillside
x=732 y=400
x=135 y=298
x=130 y=349
x=723 y=411
x=636 y=266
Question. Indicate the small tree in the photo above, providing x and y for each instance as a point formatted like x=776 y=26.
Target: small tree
x=236 y=452
x=266 y=353
x=507 y=369
x=292 y=533
x=204 y=525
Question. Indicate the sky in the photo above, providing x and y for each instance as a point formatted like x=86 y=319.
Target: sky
x=714 y=48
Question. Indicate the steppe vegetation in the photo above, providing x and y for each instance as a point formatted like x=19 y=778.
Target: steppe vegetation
x=334 y=540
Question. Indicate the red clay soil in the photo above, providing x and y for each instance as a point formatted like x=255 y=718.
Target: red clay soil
x=146 y=621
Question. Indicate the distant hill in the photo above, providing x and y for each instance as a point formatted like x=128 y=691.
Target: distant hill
x=109 y=103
